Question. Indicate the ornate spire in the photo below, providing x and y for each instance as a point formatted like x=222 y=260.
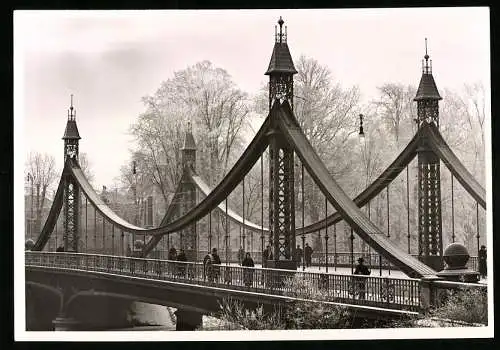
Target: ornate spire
x=427 y=66
x=427 y=89
x=189 y=143
x=281 y=37
x=71 y=131
x=281 y=60
x=71 y=110
x=281 y=69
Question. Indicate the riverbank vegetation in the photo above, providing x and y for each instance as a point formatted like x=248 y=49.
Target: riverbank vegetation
x=462 y=308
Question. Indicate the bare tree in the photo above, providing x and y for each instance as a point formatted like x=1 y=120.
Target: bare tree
x=40 y=169
x=397 y=108
x=325 y=110
x=160 y=134
x=474 y=106
x=327 y=114
x=86 y=166
x=205 y=96
x=219 y=109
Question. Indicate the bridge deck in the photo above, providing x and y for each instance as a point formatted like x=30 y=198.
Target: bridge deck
x=389 y=293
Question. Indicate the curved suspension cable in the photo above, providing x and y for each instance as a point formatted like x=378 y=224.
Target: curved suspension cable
x=394 y=169
x=351 y=213
x=51 y=220
x=387 y=176
x=223 y=189
x=452 y=162
x=169 y=214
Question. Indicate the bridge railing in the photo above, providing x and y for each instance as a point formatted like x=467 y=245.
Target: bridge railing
x=364 y=290
x=385 y=292
x=340 y=259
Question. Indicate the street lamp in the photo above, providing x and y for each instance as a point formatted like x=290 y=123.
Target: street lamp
x=134 y=186
x=134 y=172
x=30 y=221
x=362 y=136
x=361 y=131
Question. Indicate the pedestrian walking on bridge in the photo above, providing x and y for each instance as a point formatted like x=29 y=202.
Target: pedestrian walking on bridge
x=241 y=255
x=482 y=262
x=215 y=264
x=308 y=254
x=298 y=255
x=360 y=282
x=248 y=273
x=181 y=268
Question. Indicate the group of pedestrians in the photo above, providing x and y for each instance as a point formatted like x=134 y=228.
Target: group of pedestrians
x=306 y=254
x=211 y=266
x=181 y=257
x=172 y=255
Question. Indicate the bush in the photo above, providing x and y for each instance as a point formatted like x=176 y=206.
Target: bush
x=300 y=314
x=317 y=315
x=297 y=287
x=235 y=316
x=466 y=305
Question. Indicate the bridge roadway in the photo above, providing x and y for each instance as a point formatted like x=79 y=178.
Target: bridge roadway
x=190 y=287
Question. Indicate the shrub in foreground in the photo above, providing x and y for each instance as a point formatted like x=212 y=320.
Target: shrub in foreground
x=468 y=305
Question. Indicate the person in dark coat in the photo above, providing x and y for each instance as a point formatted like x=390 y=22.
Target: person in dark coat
x=308 y=254
x=248 y=273
x=265 y=256
x=241 y=255
x=60 y=249
x=172 y=254
x=298 y=255
x=482 y=261
x=215 y=264
x=361 y=269
x=181 y=267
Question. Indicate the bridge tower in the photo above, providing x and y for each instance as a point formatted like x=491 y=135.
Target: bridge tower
x=430 y=236
x=71 y=189
x=188 y=236
x=281 y=158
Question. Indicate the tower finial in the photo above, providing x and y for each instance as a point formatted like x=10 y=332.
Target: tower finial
x=71 y=111
x=426 y=66
x=281 y=38
x=426 y=55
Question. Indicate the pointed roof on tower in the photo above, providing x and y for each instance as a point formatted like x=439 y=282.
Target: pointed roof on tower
x=71 y=131
x=281 y=60
x=189 y=143
x=427 y=89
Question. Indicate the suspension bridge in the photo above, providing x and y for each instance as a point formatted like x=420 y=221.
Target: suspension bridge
x=87 y=269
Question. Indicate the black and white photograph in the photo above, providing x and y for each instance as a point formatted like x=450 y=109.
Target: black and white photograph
x=239 y=174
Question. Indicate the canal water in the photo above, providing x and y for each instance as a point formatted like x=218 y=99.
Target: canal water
x=152 y=317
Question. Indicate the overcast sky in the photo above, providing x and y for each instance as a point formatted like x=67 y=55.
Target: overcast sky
x=110 y=59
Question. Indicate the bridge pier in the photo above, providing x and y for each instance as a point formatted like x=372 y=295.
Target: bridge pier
x=188 y=320
x=427 y=293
